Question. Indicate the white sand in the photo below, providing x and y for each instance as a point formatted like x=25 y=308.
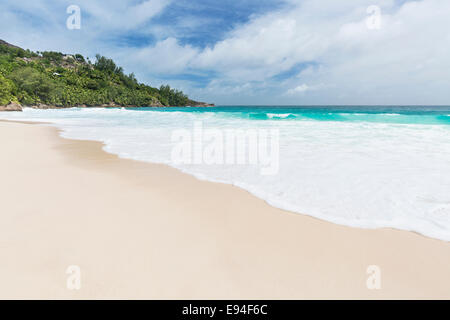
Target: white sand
x=141 y=230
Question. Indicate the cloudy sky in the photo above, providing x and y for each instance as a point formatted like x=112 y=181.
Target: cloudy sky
x=257 y=51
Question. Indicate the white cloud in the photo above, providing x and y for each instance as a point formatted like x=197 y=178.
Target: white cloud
x=123 y=14
x=299 y=89
x=166 y=56
x=406 y=61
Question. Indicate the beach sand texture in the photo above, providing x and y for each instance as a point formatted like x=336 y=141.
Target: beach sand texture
x=148 y=231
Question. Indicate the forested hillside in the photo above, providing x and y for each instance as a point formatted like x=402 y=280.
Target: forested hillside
x=61 y=80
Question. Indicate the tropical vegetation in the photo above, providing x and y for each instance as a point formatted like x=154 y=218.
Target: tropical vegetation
x=56 y=79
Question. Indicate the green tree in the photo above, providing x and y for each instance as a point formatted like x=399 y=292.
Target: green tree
x=6 y=89
x=79 y=58
x=172 y=96
x=106 y=65
x=33 y=82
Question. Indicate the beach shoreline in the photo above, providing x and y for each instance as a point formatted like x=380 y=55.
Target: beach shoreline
x=148 y=231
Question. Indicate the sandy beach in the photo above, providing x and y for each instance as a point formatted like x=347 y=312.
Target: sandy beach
x=148 y=231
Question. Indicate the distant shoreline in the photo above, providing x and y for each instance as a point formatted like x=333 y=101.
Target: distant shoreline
x=19 y=107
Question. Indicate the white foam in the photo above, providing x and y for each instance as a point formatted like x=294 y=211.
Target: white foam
x=279 y=115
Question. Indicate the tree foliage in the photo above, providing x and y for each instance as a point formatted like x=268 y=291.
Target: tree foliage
x=56 y=79
x=173 y=97
x=6 y=91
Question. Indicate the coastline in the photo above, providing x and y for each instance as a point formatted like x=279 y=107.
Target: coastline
x=142 y=230
x=17 y=107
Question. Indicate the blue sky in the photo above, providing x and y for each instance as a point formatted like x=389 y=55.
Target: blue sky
x=256 y=51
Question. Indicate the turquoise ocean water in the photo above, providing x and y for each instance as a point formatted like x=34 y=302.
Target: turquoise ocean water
x=382 y=114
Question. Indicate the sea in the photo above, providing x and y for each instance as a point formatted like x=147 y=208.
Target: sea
x=360 y=166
